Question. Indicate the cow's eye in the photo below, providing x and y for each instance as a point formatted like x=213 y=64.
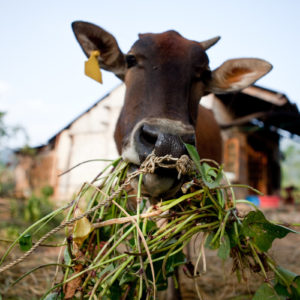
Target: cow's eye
x=198 y=72
x=130 y=61
x=201 y=74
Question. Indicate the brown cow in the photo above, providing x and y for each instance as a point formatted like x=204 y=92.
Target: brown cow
x=165 y=77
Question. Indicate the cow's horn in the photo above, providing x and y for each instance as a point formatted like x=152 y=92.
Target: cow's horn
x=209 y=43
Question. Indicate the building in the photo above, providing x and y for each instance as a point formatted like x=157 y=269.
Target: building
x=251 y=122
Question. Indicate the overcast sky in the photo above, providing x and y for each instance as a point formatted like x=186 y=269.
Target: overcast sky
x=42 y=85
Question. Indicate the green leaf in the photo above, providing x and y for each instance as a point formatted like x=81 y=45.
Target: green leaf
x=263 y=232
x=161 y=284
x=224 y=249
x=107 y=270
x=25 y=242
x=193 y=153
x=213 y=181
x=208 y=243
x=179 y=259
x=131 y=242
x=208 y=174
x=67 y=257
x=296 y=288
x=115 y=163
x=281 y=290
x=211 y=176
x=266 y=292
x=292 y=291
x=234 y=237
x=115 y=292
x=288 y=275
x=132 y=291
x=209 y=171
x=54 y=296
x=127 y=277
x=174 y=261
x=169 y=266
x=150 y=226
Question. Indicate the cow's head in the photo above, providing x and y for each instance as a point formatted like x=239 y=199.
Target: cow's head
x=165 y=77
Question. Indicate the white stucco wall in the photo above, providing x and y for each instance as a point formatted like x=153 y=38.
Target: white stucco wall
x=89 y=137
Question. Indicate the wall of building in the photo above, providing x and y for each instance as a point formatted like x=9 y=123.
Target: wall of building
x=22 y=171
x=90 y=137
x=33 y=172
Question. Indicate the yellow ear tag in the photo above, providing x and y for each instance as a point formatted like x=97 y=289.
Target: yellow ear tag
x=91 y=67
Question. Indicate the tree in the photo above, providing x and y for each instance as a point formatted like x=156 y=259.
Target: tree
x=8 y=132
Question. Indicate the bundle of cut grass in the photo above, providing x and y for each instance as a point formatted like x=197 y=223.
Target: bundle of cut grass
x=118 y=246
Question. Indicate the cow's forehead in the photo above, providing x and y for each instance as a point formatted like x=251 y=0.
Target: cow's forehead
x=169 y=44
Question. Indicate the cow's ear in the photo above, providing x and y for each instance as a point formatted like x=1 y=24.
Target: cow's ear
x=92 y=37
x=237 y=74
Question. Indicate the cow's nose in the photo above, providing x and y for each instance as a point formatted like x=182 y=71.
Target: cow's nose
x=169 y=144
x=151 y=138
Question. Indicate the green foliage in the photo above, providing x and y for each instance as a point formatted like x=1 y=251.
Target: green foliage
x=47 y=191
x=55 y=296
x=27 y=150
x=25 y=242
x=67 y=257
x=25 y=212
x=211 y=176
x=7 y=132
x=286 y=285
x=12 y=230
x=37 y=207
x=263 y=233
x=290 y=165
x=224 y=249
x=266 y=292
x=131 y=257
x=3 y=127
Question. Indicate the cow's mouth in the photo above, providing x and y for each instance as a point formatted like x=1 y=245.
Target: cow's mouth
x=163 y=183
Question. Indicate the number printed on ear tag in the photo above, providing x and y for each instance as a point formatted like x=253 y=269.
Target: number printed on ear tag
x=91 y=67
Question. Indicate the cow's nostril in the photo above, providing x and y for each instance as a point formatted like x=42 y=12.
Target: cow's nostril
x=169 y=144
x=162 y=140
x=148 y=135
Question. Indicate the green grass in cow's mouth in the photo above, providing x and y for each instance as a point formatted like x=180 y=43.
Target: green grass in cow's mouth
x=119 y=246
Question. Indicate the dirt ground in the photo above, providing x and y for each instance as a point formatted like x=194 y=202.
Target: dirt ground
x=33 y=286
x=218 y=283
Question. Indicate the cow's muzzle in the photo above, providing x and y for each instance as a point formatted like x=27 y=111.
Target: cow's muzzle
x=161 y=137
x=161 y=141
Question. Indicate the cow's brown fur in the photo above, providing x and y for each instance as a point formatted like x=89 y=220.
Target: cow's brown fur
x=165 y=76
